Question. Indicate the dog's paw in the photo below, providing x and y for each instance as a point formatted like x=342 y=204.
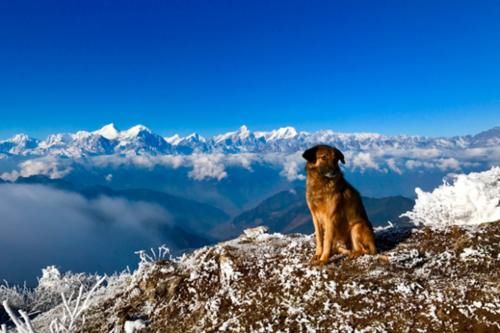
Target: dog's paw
x=314 y=260
x=322 y=262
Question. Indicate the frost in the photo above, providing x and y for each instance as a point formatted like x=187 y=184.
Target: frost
x=227 y=271
x=134 y=326
x=471 y=253
x=471 y=199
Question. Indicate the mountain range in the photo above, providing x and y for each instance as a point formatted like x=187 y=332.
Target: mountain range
x=140 y=139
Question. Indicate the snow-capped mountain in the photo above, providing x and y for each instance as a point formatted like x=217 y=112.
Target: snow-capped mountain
x=279 y=134
x=490 y=137
x=18 y=144
x=104 y=150
x=188 y=144
x=140 y=139
x=242 y=140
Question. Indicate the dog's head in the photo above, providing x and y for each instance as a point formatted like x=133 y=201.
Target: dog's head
x=325 y=159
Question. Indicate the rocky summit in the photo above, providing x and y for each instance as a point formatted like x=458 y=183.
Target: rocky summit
x=423 y=280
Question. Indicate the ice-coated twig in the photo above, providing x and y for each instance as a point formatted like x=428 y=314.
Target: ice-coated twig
x=23 y=323
x=73 y=315
x=162 y=253
x=3 y=328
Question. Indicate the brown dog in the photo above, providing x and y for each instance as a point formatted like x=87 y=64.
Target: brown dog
x=340 y=221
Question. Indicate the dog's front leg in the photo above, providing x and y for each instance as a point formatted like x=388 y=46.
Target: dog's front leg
x=327 y=243
x=318 y=232
x=329 y=224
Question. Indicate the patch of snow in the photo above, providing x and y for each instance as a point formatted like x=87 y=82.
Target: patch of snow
x=471 y=253
x=227 y=271
x=134 y=326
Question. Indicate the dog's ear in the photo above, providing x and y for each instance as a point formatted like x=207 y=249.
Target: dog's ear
x=338 y=155
x=310 y=154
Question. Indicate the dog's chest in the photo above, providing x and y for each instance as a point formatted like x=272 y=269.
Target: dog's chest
x=320 y=193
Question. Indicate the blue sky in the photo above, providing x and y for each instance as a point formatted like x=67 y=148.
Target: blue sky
x=394 y=67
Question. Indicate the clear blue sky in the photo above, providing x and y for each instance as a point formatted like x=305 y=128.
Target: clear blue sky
x=409 y=67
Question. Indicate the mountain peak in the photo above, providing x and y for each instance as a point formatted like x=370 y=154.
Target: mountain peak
x=174 y=139
x=195 y=137
x=243 y=132
x=20 y=138
x=108 y=131
x=283 y=133
x=135 y=131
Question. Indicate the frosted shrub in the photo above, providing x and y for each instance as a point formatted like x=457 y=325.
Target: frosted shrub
x=53 y=284
x=69 y=322
x=470 y=199
x=53 y=289
x=19 y=297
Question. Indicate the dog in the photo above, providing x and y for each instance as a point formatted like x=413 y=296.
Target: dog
x=341 y=224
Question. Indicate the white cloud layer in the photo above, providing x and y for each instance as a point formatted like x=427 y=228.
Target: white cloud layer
x=49 y=166
x=203 y=166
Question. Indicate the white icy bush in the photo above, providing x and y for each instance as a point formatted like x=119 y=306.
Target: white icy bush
x=53 y=289
x=19 y=297
x=71 y=319
x=470 y=199
x=53 y=284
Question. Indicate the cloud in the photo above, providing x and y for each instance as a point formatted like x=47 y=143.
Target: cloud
x=292 y=166
x=415 y=164
x=243 y=160
x=363 y=161
x=448 y=164
x=41 y=226
x=203 y=166
x=392 y=164
x=207 y=166
x=138 y=160
x=49 y=166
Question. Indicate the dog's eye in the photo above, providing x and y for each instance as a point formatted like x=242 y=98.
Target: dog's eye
x=324 y=158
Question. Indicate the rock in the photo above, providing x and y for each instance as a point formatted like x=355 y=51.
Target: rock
x=254 y=232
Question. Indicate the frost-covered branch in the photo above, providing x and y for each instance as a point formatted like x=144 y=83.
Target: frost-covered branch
x=71 y=318
x=162 y=253
x=23 y=323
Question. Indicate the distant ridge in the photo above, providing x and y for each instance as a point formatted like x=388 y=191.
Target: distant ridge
x=140 y=139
